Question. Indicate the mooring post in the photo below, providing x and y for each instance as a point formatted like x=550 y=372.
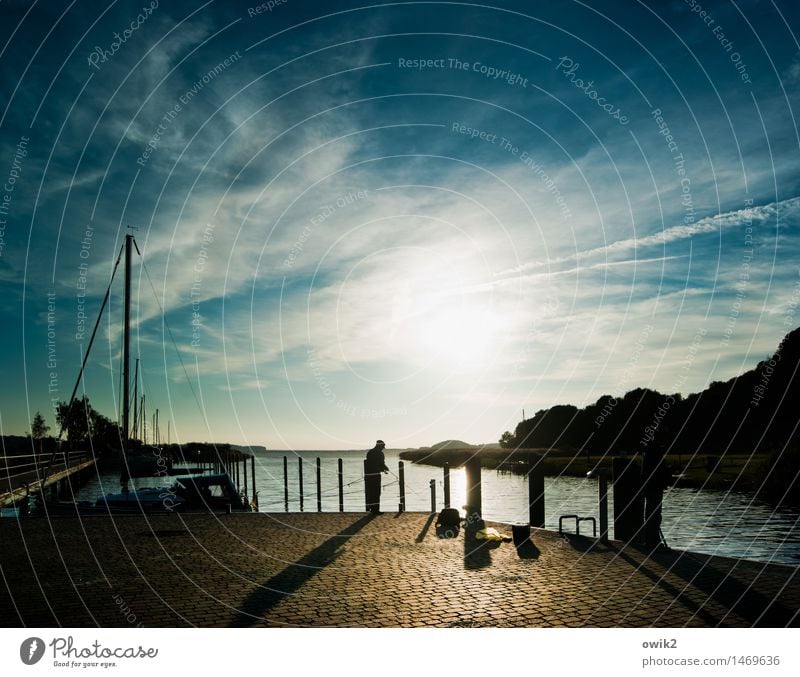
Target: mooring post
x=536 y=494
x=245 y=477
x=602 y=482
x=433 y=495
x=286 y=483
x=253 y=475
x=319 y=485
x=341 y=487
x=474 y=499
x=446 y=469
x=366 y=490
x=300 y=467
x=401 y=477
x=628 y=499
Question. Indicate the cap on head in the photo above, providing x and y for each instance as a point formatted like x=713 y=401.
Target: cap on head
x=380 y=443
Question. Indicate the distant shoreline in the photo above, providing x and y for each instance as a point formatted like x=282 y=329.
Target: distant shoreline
x=740 y=472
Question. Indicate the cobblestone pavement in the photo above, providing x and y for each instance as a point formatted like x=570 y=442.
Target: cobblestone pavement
x=351 y=569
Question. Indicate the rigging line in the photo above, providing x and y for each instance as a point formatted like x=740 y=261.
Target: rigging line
x=68 y=414
x=169 y=330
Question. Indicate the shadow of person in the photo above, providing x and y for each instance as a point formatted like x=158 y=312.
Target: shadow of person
x=477 y=551
x=292 y=578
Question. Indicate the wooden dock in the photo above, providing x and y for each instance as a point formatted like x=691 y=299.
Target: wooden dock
x=14 y=488
x=356 y=570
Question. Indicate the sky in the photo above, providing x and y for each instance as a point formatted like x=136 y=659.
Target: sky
x=407 y=221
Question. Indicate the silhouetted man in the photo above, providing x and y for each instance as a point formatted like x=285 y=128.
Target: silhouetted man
x=373 y=467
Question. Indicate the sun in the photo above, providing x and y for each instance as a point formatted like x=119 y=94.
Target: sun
x=461 y=334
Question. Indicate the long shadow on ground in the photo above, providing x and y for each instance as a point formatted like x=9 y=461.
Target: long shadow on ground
x=717 y=585
x=293 y=577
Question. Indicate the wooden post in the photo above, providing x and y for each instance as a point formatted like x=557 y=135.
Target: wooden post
x=535 y=495
x=366 y=494
x=300 y=466
x=244 y=466
x=446 y=469
x=401 y=476
x=286 y=483
x=341 y=487
x=253 y=475
x=319 y=485
x=474 y=500
x=628 y=499
x=433 y=495
x=602 y=481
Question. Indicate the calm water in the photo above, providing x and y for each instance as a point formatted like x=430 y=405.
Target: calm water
x=713 y=522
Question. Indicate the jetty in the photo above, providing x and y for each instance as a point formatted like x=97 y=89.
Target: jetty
x=363 y=570
x=23 y=475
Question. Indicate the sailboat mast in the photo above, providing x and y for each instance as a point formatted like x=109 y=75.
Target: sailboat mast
x=135 y=399
x=126 y=356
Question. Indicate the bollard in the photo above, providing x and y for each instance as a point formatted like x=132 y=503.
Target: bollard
x=474 y=499
x=401 y=477
x=300 y=468
x=536 y=495
x=319 y=485
x=446 y=469
x=341 y=487
x=286 y=483
x=433 y=495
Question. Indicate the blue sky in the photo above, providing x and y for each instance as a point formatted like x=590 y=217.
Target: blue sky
x=407 y=221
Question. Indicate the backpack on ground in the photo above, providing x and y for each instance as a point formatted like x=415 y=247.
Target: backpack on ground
x=448 y=523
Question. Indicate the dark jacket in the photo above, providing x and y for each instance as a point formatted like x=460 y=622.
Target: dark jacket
x=376 y=461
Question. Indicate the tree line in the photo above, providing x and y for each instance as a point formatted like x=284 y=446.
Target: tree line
x=755 y=412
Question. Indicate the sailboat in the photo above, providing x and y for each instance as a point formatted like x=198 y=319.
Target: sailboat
x=191 y=489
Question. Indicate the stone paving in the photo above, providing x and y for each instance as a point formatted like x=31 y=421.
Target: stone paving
x=356 y=570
